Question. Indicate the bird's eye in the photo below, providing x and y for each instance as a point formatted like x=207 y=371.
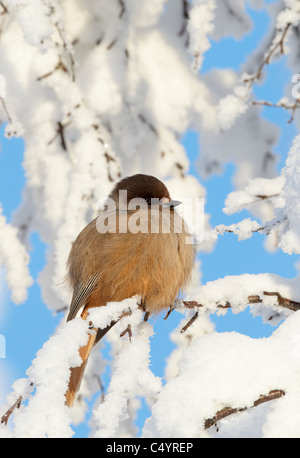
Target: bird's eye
x=148 y=200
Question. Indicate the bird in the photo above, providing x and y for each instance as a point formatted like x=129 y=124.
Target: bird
x=144 y=253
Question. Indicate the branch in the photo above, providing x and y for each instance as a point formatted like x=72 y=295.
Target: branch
x=127 y=330
x=101 y=386
x=284 y=302
x=17 y=404
x=122 y=8
x=238 y=229
x=274 y=394
x=60 y=131
x=4 y=9
x=68 y=50
x=252 y=299
x=5 y=109
x=185 y=15
x=59 y=66
x=288 y=106
x=4 y=15
x=194 y=317
x=280 y=44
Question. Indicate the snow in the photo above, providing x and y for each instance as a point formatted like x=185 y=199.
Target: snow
x=236 y=290
x=200 y=25
x=231 y=369
x=46 y=414
x=232 y=106
x=289 y=238
x=283 y=194
x=131 y=377
x=14 y=257
x=257 y=187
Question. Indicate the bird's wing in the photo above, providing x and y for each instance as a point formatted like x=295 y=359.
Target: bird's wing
x=80 y=295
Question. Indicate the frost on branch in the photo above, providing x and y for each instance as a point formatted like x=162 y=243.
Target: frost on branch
x=200 y=24
x=258 y=190
x=14 y=258
x=282 y=195
x=246 y=369
x=45 y=414
x=289 y=236
x=232 y=106
x=131 y=377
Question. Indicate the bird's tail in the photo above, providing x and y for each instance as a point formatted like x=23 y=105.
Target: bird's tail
x=84 y=352
x=77 y=372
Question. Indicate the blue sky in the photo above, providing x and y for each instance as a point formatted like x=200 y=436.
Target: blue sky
x=26 y=327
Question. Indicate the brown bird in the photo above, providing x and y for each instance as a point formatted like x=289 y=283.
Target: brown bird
x=145 y=254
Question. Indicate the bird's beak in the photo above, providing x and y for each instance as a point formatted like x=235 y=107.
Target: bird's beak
x=171 y=204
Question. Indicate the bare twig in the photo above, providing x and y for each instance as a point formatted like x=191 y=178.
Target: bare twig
x=287 y=106
x=122 y=8
x=17 y=404
x=5 y=109
x=185 y=14
x=194 y=317
x=274 y=394
x=280 y=44
x=260 y=197
x=111 y=44
x=4 y=9
x=4 y=15
x=252 y=299
x=171 y=308
x=284 y=302
x=68 y=50
x=60 y=131
x=58 y=66
x=127 y=330
x=101 y=386
x=148 y=123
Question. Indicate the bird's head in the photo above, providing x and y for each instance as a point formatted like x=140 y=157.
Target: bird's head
x=146 y=187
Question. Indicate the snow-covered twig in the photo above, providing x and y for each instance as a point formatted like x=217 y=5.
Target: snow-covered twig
x=278 y=44
x=281 y=104
x=16 y=405
x=226 y=411
x=252 y=299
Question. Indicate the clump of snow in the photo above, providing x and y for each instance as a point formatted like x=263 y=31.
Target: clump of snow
x=257 y=190
x=236 y=290
x=45 y=414
x=131 y=377
x=283 y=194
x=230 y=369
x=233 y=106
x=200 y=25
x=14 y=257
x=290 y=236
x=289 y=15
x=244 y=229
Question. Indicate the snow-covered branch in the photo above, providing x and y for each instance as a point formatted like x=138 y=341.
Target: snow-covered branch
x=226 y=411
x=234 y=105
